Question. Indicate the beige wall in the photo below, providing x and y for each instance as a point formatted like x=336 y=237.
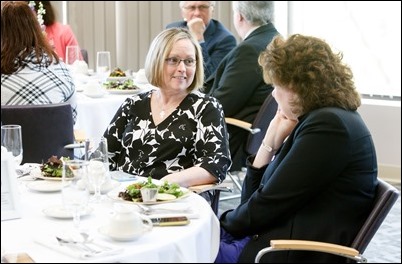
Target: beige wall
x=126 y=28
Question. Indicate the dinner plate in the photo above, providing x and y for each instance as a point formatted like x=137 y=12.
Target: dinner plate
x=161 y=198
x=126 y=91
x=95 y=95
x=58 y=211
x=104 y=230
x=118 y=79
x=44 y=186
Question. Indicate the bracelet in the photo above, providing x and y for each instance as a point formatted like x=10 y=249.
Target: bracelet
x=268 y=148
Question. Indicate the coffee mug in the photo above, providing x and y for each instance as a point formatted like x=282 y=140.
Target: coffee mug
x=126 y=222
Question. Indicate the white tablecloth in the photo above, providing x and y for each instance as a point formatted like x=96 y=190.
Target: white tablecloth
x=196 y=242
x=95 y=114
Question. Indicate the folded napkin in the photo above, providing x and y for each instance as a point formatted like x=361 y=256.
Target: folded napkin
x=72 y=251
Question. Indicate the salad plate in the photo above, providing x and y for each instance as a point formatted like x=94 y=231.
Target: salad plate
x=160 y=197
x=37 y=173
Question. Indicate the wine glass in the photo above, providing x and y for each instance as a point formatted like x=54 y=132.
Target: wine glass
x=103 y=64
x=75 y=195
x=98 y=172
x=11 y=139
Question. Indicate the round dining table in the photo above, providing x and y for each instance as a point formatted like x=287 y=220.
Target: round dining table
x=196 y=242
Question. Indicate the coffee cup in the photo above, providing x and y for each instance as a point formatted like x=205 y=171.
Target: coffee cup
x=126 y=223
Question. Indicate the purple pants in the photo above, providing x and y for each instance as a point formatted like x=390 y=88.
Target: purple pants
x=230 y=248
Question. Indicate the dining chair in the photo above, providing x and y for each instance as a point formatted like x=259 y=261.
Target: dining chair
x=385 y=198
x=256 y=130
x=46 y=129
x=84 y=53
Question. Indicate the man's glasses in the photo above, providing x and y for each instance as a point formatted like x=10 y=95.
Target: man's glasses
x=193 y=8
x=176 y=61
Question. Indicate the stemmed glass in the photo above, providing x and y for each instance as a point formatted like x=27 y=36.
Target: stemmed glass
x=75 y=196
x=11 y=139
x=98 y=168
x=103 y=64
x=72 y=55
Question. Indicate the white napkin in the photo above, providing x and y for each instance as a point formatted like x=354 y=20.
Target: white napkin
x=52 y=243
x=191 y=213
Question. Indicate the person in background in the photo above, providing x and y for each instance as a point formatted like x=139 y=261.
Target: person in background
x=59 y=36
x=174 y=132
x=315 y=175
x=238 y=82
x=31 y=72
x=215 y=40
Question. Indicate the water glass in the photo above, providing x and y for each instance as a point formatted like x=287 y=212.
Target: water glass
x=11 y=139
x=98 y=168
x=72 y=54
x=103 y=66
x=75 y=195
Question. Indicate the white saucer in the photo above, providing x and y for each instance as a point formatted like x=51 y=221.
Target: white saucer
x=45 y=186
x=104 y=230
x=58 y=211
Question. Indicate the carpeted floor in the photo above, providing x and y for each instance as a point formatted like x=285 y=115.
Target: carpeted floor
x=385 y=247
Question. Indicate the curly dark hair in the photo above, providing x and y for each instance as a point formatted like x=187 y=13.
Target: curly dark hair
x=307 y=66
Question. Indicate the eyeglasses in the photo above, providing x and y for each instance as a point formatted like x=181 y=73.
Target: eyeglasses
x=202 y=8
x=173 y=61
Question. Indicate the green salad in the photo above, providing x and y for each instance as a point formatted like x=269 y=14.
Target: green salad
x=133 y=191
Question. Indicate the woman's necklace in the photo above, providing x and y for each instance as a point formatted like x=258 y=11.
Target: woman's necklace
x=164 y=109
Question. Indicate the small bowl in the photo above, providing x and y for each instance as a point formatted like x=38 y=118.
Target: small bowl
x=149 y=194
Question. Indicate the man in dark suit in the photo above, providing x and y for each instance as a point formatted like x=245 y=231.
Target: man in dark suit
x=238 y=82
x=215 y=40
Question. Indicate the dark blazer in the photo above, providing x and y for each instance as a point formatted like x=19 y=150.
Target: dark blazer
x=320 y=186
x=218 y=42
x=239 y=85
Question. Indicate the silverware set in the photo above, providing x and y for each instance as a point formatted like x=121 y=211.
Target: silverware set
x=86 y=244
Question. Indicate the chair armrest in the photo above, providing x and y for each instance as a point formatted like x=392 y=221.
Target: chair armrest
x=207 y=187
x=241 y=124
x=278 y=245
x=79 y=135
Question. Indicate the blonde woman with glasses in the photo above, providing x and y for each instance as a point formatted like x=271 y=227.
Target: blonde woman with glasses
x=216 y=41
x=174 y=132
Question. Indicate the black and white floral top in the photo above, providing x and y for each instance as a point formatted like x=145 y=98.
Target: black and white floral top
x=194 y=134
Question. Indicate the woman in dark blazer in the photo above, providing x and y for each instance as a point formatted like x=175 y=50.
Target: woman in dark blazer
x=315 y=174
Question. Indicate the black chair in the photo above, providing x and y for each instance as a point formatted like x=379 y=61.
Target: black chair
x=386 y=196
x=257 y=131
x=84 y=54
x=46 y=129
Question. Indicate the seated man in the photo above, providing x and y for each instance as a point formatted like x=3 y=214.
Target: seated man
x=215 y=40
x=238 y=82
